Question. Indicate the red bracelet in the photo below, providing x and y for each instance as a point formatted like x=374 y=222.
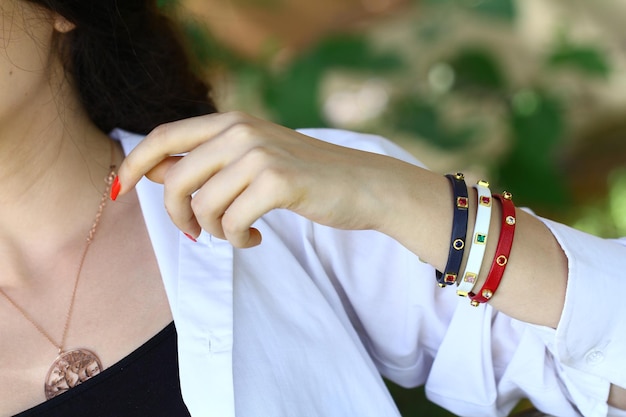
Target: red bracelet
x=503 y=250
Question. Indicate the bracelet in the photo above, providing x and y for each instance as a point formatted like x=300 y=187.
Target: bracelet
x=479 y=240
x=459 y=231
x=503 y=251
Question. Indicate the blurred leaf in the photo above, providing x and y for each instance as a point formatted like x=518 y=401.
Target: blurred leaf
x=431 y=31
x=587 y=59
x=293 y=97
x=476 y=68
x=530 y=171
x=617 y=200
x=292 y=94
x=501 y=9
x=412 y=115
x=352 y=52
x=166 y=3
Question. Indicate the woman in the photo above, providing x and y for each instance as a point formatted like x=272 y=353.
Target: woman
x=290 y=315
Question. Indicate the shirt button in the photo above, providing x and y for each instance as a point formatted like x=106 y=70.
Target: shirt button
x=594 y=357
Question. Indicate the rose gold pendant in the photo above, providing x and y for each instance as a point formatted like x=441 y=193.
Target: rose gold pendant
x=70 y=369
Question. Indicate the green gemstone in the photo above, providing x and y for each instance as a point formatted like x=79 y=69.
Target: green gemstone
x=480 y=238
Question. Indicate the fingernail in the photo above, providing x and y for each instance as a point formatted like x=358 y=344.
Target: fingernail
x=193 y=239
x=115 y=188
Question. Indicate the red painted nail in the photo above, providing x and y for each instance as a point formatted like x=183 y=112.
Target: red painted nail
x=193 y=239
x=115 y=188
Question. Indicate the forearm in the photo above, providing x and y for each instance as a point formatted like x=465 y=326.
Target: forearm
x=534 y=282
x=533 y=286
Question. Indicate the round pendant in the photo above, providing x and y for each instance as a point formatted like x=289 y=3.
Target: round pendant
x=70 y=369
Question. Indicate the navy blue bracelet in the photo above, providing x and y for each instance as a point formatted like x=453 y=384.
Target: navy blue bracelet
x=459 y=231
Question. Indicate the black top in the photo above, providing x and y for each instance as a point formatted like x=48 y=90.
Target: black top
x=145 y=383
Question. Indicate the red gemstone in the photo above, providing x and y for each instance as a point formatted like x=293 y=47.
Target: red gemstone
x=462 y=202
x=485 y=201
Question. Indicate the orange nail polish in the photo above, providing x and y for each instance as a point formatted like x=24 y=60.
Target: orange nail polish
x=115 y=188
x=193 y=239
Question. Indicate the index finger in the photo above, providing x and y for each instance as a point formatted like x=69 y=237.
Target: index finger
x=170 y=139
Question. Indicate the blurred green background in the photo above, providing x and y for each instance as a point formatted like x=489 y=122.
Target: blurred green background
x=527 y=94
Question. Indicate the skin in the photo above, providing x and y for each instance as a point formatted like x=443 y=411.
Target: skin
x=52 y=162
x=52 y=157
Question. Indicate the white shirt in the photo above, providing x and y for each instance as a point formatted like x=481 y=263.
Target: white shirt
x=305 y=324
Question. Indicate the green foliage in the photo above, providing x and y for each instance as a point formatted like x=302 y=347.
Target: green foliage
x=164 y=4
x=501 y=9
x=477 y=68
x=413 y=115
x=530 y=167
x=587 y=59
x=292 y=94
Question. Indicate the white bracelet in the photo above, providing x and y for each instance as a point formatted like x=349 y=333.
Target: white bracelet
x=479 y=239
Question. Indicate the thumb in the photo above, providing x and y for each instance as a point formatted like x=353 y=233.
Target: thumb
x=157 y=174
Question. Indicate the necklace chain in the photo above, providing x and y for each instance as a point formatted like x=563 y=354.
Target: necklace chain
x=90 y=236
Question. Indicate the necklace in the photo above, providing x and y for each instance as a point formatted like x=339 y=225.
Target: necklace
x=71 y=367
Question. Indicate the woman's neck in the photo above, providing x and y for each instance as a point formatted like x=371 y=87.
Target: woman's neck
x=52 y=162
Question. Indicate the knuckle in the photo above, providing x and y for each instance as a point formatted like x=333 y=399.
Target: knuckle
x=264 y=157
x=237 y=116
x=204 y=208
x=176 y=204
x=258 y=156
x=243 y=131
x=198 y=206
x=179 y=212
x=274 y=178
x=160 y=133
x=232 y=228
x=173 y=182
x=174 y=191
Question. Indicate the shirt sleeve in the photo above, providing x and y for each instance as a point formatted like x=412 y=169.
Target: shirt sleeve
x=478 y=361
x=590 y=339
x=473 y=361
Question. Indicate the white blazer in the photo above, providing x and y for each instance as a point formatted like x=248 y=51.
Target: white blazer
x=305 y=324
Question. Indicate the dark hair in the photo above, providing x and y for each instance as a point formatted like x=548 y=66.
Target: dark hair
x=129 y=64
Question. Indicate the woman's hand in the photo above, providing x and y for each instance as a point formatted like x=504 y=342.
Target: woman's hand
x=237 y=168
